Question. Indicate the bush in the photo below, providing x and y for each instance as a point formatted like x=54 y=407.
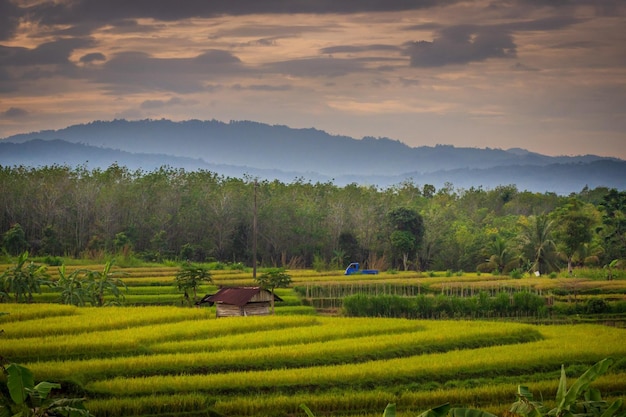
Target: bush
x=597 y=306
x=53 y=260
x=319 y=263
x=442 y=306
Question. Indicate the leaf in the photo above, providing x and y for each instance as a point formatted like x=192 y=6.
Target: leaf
x=390 y=410
x=525 y=405
x=70 y=407
x=593 y=395
x=4 y=411
x=439 y=411
x=613 y=408
x=19 y=379
x=307 y=410
x=469 y=412
x=581 y=384
x=44 y=388
x=562 y=389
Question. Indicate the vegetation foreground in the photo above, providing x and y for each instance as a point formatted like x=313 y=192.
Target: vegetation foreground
x=150 y=356
x=131 y=361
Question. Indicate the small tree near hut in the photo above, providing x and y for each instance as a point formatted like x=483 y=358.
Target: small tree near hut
x=189 y=278
x=274 y=278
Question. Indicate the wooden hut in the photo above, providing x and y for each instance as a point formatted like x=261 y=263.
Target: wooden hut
x=241 y=301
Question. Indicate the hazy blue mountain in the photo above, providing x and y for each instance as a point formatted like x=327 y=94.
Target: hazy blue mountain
x=39 y=153
x=278 y=152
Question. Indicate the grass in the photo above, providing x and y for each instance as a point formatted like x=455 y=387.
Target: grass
x=157 y=358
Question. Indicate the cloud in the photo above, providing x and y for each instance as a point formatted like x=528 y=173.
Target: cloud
x=157 y=104
x=317 y=67
x=92 y=57
x=73 y=12
x=461 y=45
x=353 y=49
x=15 y=113
x=521 y=67
x=10 y=16
x=133 y=71
x=544 y=24
x=261 y=87
x=49 y=53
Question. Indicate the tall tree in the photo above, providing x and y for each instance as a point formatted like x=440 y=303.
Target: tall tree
x=407 y=232
x=613 y=208
x=575 y=233
x=537 y=243
x=499 y=256
x=14 y=240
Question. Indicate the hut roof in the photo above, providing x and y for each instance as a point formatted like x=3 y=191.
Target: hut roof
x=238 y=296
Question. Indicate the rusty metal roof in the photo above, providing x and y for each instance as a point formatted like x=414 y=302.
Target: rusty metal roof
x=238 y=296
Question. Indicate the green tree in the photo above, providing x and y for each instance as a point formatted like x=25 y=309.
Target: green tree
x=189 y=278
x=349 y=245
x=613 y=207
x=273 y=278
x=101 y=284
x=576 y=232
x=14 y=240
x=537 y=243
x=50 y=243
x=121 y=242
x=499 y=256
x=24 y=279
x=407 y=232
x=403 y=242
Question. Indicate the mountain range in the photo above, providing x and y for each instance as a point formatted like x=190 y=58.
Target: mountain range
x=257 y=150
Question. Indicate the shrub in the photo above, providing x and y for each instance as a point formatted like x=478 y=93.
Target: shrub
x=53 y=260
x=597 y=306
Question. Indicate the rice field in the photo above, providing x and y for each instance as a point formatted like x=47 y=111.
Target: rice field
x=167 y=360
x=153 y=357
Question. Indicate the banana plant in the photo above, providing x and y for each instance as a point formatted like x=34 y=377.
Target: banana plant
x=101 y=284
x=73 y=288
x=29 y=400
x=390 y=410
x=24 y=279
x=579 y=400
x=445 y=410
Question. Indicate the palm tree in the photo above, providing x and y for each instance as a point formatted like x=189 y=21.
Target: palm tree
x=499 y=256
x=537 y=244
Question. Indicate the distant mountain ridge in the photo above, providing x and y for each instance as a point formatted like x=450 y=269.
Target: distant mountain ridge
x=279 y=152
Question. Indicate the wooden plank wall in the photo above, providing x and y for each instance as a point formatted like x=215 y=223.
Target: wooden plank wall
x=250 y=309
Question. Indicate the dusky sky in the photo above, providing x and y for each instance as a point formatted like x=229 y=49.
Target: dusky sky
x=545 y=75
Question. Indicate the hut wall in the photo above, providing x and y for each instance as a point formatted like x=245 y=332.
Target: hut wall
x=250 y=309
x=256 y=309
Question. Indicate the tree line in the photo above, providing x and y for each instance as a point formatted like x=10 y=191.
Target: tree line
x=201 y=216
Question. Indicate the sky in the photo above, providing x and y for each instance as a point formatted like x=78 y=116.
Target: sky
x=544 y=75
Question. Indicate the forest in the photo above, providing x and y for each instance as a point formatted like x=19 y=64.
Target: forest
x=173 y=214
